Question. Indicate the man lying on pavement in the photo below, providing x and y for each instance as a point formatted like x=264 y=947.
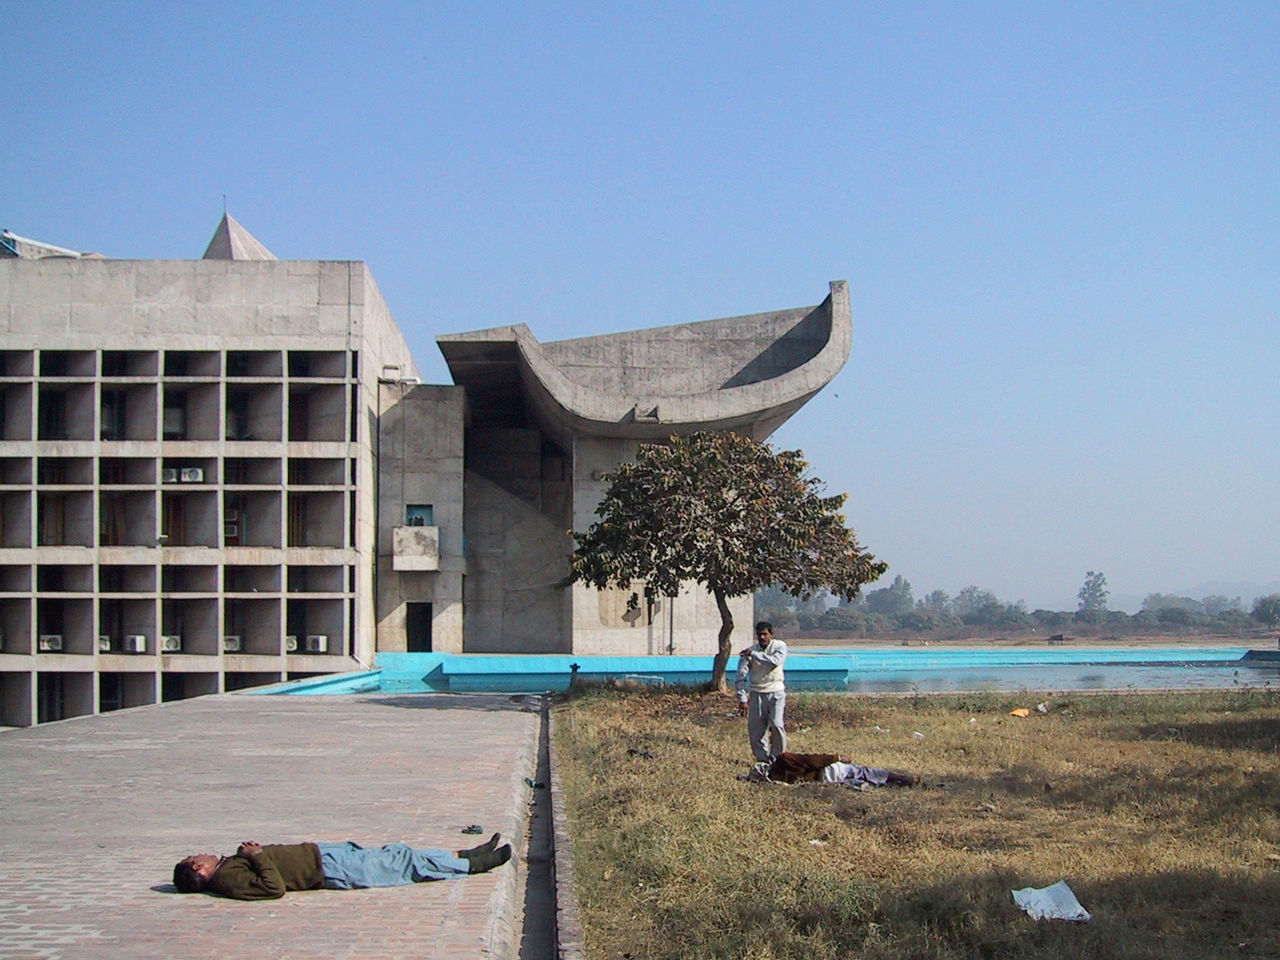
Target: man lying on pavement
x=258 y=872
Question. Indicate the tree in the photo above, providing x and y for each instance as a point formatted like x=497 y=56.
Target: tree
x=724 y=511
x=1216 y=604
x=970 y=600
x=1156 y=602
x=1093 y=594
x=895 y=598
x=773 y=597
x=936 y=601
x=815 y=604
x=1267 y=609
x=1051 y=618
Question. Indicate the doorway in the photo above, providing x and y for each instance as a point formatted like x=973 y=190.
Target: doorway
x=417 y=628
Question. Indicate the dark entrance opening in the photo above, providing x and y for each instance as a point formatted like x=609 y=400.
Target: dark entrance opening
x=417 y=628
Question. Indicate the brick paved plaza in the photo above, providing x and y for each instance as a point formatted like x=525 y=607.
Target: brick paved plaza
x=97 y=810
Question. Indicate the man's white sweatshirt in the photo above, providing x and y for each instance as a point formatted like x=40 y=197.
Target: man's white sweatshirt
x=760 y=671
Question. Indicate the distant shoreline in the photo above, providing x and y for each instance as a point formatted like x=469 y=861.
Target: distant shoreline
x=1254 y=641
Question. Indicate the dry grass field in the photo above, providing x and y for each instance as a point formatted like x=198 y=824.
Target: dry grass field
x=1161 y=811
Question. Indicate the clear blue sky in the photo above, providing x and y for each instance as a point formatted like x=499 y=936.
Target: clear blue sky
x=1058 y=221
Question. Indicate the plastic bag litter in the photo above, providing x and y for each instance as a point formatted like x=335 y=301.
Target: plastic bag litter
x=1020 y=712
x=1051 y=903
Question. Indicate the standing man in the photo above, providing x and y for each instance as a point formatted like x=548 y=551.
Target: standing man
x=762 y=693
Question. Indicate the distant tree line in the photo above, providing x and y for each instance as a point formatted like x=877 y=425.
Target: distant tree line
x=896 y=609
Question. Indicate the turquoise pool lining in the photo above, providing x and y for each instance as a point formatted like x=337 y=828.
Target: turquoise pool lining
x=826 y=670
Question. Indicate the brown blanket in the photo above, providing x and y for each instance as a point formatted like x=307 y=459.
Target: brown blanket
x=800 y=767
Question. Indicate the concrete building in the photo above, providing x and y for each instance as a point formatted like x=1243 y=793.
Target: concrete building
x=225 y=472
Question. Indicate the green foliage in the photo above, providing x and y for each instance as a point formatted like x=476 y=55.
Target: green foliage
x=970 y=600
x=1267 y=609
x=1217 y=604
x=1093 y=593
x=1156 y=602
x=920 y=621
x=853 y=621
x=936 y=601
x=1051 y=618
x=771 y=597
x=868 y=614
x=724 y=511
x=1234 y=618
x=893 y=599
x=1181 y=616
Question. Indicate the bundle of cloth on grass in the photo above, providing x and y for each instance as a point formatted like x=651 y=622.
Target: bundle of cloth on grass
x=828 y=768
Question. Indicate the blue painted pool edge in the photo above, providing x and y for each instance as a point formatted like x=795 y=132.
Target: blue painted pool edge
x=826 y=670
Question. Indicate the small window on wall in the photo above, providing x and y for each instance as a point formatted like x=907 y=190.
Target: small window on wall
x=419 y=515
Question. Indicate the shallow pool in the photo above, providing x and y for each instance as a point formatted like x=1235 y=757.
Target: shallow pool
x=872 y=670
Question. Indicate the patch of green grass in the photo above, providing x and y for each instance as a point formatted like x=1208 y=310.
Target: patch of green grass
x=1161 y=811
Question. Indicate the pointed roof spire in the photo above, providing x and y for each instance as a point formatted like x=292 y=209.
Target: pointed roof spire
x=233 y=242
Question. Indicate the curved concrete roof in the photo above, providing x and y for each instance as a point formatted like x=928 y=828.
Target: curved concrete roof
x=747 y=374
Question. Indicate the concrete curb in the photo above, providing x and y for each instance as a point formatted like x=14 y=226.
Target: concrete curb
x=503 y=928
x=569 y=935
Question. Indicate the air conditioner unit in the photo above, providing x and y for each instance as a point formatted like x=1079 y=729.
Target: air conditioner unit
x=169 y=475
x=135 y=643
x=104 y=643
x=171 y=643
x=231 y=644
x=49 y=642
x=191 y=475
x=317 y=643
x=290 y=644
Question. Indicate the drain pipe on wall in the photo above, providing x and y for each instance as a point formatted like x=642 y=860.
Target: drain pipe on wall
x=671 y=624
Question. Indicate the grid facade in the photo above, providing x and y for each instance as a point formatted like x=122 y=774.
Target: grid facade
x=183 y=515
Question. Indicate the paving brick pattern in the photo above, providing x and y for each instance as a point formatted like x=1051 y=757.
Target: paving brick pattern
x=96 y=811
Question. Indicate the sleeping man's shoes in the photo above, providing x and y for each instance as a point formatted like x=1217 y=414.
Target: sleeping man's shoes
x=487 y=847
x=488 y=859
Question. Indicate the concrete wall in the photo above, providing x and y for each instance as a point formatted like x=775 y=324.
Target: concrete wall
x=687 y=624
x=420 y=461
x=382 y=347
x=693 y=357
x=267 y=312
x=181 y=304
x=516 y=560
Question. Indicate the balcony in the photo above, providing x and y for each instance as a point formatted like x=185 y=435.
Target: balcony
x=415 y=548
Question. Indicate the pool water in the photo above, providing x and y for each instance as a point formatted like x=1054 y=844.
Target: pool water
x=1184 y=675
x=872 y=670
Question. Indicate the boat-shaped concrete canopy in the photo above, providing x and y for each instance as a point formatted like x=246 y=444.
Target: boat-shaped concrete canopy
x=747 y=374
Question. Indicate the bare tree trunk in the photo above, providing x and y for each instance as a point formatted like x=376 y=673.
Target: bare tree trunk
x=722 y=654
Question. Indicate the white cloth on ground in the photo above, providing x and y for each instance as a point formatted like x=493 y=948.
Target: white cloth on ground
x=851 y=774
x=1055 y=902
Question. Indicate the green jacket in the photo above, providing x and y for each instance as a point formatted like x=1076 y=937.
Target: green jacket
x=267 y=875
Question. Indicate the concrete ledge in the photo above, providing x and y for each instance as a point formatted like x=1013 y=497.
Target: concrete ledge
x=502 y=934
x=570 y=944
x=1265 y=656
